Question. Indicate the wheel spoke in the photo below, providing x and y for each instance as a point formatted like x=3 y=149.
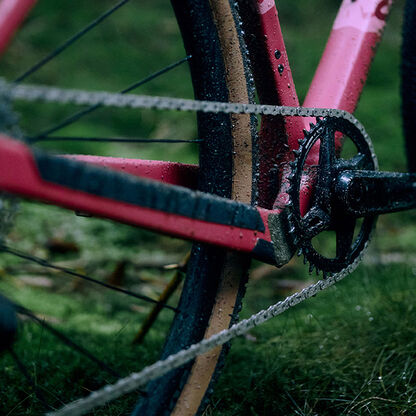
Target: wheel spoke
x=69 y=42
x=76 y=116
x=107 y=140
x=70 y=272
x=66 y=340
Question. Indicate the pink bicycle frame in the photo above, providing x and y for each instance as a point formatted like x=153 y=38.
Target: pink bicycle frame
x=337 y=84
x=338 y=81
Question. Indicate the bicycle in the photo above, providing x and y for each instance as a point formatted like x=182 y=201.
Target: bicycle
x=250 y=228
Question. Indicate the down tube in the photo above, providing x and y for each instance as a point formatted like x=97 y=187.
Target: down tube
x=345 y=63
x=343 y=69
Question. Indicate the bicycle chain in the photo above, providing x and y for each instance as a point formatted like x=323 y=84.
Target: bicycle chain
x=162 y=367
x=106 y=99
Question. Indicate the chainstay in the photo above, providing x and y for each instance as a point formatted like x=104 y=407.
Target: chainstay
x=108 y=99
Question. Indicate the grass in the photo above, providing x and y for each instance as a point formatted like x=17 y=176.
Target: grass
x=349 y=351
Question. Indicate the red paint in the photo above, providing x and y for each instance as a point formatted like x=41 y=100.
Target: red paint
x=342 y=72
x=272 y=36
x=344 y=66
x=19 y=175
x=341 y=75
x=275 y=85
x=12 y=13
x=282 y=81
x=168 y=172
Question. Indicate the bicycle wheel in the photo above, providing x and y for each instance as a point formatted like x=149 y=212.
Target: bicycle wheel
x=214 y=285
x=215 y=280
x=408 y=82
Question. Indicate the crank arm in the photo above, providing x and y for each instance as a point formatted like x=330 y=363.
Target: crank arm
x=108 y=193
x=366 y=193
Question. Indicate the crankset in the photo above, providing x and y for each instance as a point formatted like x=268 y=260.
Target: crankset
x=348 y=194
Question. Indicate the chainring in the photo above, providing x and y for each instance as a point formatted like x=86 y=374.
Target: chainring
x=323 y=212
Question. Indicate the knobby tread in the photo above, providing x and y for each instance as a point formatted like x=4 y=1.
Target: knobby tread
x=215 y=176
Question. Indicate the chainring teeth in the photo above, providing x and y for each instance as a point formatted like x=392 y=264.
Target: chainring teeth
x=318 y=262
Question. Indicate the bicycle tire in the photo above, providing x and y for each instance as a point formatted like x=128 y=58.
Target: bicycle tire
x=408 y=82
x=211 y=271
x=219 y=71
